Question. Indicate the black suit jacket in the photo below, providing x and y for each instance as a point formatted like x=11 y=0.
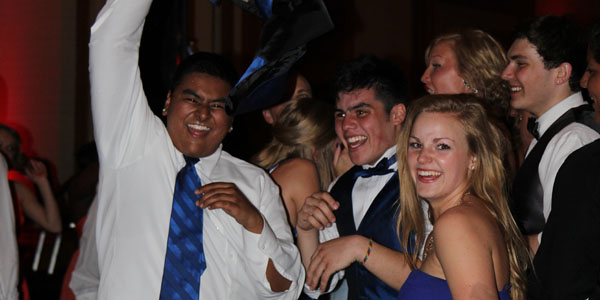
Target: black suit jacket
x=567 y=263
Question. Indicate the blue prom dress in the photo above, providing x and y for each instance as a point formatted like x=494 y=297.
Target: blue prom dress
x=423 y=286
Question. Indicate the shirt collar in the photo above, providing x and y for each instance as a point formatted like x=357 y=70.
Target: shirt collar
x=547 y=119
x=206 y=164
x=387 y=154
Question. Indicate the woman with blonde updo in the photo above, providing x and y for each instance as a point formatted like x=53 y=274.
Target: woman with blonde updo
x=452 y=160
x=471 y=62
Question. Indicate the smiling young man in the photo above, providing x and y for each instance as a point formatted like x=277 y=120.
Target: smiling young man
x=358 y=211
x=546 y=63
x=170 y=226
x=568 y=259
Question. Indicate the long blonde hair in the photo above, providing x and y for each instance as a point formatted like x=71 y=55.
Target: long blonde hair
x=486 y=182
x=304 y=129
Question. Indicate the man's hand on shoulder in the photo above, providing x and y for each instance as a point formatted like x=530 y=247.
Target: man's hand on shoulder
x=228 y=197
x=317 y=211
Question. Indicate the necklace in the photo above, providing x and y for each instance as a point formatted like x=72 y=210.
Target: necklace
x=430 y=241
x=428 y=246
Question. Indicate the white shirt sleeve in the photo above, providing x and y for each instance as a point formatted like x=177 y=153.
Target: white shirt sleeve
x=9 y=259
x=85 y=278
x=275 y=242
x=122 y=118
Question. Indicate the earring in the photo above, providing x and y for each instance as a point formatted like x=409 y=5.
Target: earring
x=164 y=109
x=230 y=129
x=475 y=91
x=472 y=167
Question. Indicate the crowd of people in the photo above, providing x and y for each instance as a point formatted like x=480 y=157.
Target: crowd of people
x=486 y=188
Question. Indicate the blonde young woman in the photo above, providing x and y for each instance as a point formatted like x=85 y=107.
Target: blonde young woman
x=453 y=162
x=300 y=156
x=471 y=61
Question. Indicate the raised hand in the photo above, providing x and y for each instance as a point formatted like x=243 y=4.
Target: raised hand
x=37 y=171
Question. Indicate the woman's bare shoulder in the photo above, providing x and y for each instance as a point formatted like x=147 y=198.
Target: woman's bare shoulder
x=467 y=220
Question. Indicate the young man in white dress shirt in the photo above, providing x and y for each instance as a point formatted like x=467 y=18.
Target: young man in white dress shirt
x=9 y=257
x=357 y=216
x=246 y=239
x=546 y=62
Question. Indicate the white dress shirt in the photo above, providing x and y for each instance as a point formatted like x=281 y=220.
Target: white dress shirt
x=366 y=188
x=565 y=142
x=86 y=275
x=9 y=256
x=138 y=166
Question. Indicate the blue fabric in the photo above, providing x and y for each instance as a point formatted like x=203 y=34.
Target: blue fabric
x=184 y=261
x=379 y=224
x=256 y=64
x=423 y=286
x=265 y=7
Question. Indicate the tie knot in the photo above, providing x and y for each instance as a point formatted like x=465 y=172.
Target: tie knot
x=532 y=127
x=382 y=168
x=190 y=160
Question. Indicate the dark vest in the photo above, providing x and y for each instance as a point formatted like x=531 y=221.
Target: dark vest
x=527 y=198
x=379 y=224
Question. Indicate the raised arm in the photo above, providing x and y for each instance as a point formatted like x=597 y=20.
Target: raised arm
x=46 y=214
x=122 y=118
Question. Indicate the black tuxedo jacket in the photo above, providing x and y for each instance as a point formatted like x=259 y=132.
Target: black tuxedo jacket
x=567 y=263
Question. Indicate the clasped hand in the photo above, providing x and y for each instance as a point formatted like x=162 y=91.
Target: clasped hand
x=229 y=198
x=317 y=211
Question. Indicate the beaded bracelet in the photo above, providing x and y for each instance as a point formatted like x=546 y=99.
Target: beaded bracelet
x=368 y=251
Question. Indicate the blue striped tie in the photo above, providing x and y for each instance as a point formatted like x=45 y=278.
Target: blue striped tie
x=184 y=261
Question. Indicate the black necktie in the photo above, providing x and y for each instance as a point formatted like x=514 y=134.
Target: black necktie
x=382 y=168
x=532 y=127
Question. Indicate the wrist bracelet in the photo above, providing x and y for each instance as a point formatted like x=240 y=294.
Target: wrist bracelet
x=368 y=251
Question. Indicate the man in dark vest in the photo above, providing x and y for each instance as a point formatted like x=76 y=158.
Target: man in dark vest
x=546 y=63
x=567 y=263
x=357 y=216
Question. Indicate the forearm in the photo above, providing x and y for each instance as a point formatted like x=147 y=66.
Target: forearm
x=119 y=106
x=276 y=280
x=387 y=264
x=51 y=211
x=307 y=242
x=274 y=262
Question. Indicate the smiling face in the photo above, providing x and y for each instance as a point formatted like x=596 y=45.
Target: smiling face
x=196 y=117
x=591 y=82
x=441 y=75
x=532 y=85
x=438 y=157
x=363 y=125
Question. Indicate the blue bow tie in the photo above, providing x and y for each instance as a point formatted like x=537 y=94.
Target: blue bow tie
x=382 y=168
